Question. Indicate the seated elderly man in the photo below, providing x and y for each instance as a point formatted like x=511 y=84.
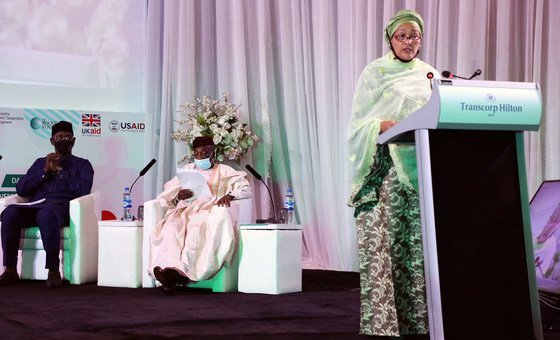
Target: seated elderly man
x=197 y=235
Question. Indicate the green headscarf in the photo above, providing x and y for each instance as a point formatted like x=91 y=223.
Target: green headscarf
x=400 y=18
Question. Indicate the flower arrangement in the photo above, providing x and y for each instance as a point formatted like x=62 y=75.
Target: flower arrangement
x=218 y=119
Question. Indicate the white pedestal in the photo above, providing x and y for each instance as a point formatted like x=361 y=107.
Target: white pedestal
x=120 y=254
x=270 y=258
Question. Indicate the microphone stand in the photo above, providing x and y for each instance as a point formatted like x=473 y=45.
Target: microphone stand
x=449 y=75
x=476 y=74
x=259 y=177
x=132 y=186
x=270 y=219
x=142 y=173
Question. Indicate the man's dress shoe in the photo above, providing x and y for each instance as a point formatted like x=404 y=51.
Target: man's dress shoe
x=9 y=278
x=166 y=285
x=54 y=280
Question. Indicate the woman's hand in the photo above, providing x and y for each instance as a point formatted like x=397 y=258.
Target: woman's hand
x=387 y=124
x=184 y=194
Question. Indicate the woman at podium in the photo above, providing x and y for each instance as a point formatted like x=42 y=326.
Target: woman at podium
x=385 y=185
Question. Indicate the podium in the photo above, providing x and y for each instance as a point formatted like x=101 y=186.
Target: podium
x=476 y=232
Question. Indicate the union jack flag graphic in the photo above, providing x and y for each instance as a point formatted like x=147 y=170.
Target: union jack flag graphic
x=91 y=120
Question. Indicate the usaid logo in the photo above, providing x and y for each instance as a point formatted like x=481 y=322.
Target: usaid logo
x=116 y=126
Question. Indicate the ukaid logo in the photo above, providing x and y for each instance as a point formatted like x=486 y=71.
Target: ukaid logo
x=116 y=126
x=91 y=124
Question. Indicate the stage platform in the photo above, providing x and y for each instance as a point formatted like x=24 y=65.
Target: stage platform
x=327 y=308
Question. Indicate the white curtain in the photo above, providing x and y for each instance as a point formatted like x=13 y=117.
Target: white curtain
x=293 y=64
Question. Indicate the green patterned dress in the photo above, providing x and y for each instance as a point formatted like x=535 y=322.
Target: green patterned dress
x=385 y=197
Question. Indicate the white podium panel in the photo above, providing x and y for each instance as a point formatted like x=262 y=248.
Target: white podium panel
x=270 y=258
x=120 y=254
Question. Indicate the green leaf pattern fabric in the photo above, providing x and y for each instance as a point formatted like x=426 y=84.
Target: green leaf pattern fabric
x=392 y=286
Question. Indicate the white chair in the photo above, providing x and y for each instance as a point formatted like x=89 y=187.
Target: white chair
x=225 y=280
x=78 y=244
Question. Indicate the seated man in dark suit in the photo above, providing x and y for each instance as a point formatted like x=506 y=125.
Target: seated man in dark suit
x=54 y=181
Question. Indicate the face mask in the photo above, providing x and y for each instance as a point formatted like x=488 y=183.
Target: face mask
x=203 y=164
x=63 y=146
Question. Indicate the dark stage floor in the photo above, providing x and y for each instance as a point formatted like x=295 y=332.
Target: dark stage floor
x=328 y=308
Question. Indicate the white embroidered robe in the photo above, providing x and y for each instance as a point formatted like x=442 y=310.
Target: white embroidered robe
x=197 y=237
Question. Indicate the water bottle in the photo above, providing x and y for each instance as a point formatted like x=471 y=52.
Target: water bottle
x=289 y=206
x=127 y=205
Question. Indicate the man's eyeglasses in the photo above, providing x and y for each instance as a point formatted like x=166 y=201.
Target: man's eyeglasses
x=60 y=138
x=414 y=38
x=203 y=152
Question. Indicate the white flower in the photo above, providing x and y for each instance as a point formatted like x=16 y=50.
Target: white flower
x=216 y=118
x=223 y=119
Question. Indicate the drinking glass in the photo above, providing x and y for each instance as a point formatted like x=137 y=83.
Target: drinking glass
x=140 y=213
x=283 y=215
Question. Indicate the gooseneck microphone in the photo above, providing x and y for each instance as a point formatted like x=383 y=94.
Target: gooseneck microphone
x=143 y=172
x=259 y=177
x=430 y=76
x=476 y=74
x=449 y=75
x=254 y=173
x=147 y=167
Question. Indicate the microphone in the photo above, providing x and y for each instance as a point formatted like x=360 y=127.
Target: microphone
x=476 y=74
x=253 y=172
x=147 y=167
x=0 y=156
x=143 y=172
x=449 y=75
x=259 y=177
x=430 y=76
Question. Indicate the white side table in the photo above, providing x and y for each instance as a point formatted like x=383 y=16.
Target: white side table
x=120 y=254
x=270 y=258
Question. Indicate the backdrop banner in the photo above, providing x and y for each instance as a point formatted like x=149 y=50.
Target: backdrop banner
x=112 y=141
